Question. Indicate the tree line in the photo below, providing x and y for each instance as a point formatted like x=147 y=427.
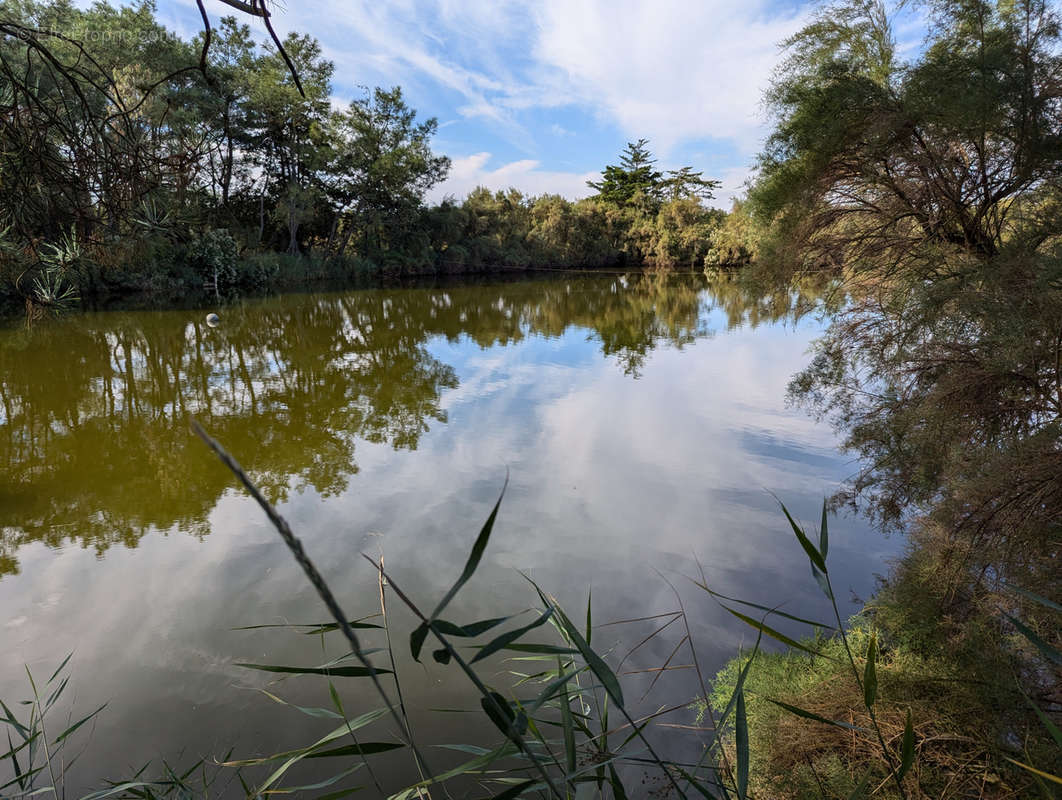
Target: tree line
x=135 y=159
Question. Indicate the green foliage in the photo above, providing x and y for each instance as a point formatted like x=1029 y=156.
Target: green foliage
x=961 y=716
x=384 y=165
x=491 y=229
x=633 y=181
x=906 y=698
x=932 y=188
x=213 y=256
x=879 y=165
x=685 y=183
x=735 y=241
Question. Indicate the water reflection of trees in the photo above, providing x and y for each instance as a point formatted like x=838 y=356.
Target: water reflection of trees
x=94 y=440
x=744 y=303
x=94 y=443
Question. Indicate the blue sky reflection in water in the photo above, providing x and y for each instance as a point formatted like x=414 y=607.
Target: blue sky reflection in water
x=641 y=426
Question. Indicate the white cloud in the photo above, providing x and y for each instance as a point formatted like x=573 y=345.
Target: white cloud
x=732 y=182
x=468 y=172
x=411 y=44
x=671 y=70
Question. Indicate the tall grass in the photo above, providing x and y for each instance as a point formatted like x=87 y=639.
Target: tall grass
x=40 y=758
x=565 y=731
x=565 y=737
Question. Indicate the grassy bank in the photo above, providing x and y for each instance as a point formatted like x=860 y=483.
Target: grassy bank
x=981 y=694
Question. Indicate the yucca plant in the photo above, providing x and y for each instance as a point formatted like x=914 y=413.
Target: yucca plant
x=51 y=289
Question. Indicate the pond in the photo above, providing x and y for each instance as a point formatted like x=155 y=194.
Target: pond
x=641 y=420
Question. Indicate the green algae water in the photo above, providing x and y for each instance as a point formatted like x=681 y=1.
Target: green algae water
x=641 y=420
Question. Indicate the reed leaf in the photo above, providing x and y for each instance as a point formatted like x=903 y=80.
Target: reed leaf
x=741 y=736
x=343 y=730
x=299 y=755
x=556 y=687
x=1049 y=652
x=474 y=556
x=540 y=649
x=60 y=667
x=775 y=611
x=568 y=728
x=824 y=537
x=870 y=673
x=307 y=710
x=518 y=789
x=1035 y=597
x=1056 y=734
x=509 y=637
x=315 y=627
x=594 y=661
x=907 y=748
x=78 y=724
x=814 y=555
x=781 y=637
x=800 y=712
x=320 y=785
x=501 y=713
x=29 y=773
x=474 y=766
x=1038 y=772
x=338 y=672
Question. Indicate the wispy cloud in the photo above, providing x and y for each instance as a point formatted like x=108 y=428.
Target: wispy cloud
x=672 y=71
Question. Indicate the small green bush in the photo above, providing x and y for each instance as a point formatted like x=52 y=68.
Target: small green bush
x=214 y=256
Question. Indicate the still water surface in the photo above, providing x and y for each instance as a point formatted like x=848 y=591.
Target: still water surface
x=642 y=420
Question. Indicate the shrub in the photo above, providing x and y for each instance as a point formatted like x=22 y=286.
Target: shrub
x=213 y=256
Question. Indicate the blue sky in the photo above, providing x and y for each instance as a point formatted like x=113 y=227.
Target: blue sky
x=541 y=94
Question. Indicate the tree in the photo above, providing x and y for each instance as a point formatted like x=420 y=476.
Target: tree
x=286 y=132
x=935 y=188
x=633 y=178
x=872 y=164
x=384 y=165
x=232 y=63
x=684 y=183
